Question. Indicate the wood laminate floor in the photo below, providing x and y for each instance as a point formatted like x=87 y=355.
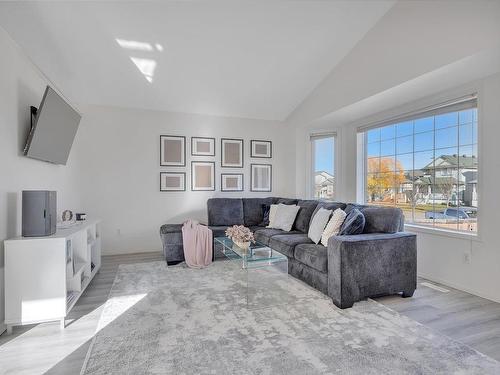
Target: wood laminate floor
x=44 y=348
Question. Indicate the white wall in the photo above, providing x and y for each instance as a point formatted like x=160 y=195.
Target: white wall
x=418 y=53
x=21 y=86
x=413 y=38
x=118 y=163
x=442 y=257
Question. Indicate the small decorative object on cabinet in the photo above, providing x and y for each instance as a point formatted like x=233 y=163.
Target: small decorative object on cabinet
x=261 y=149
x=231 y=182
x=261 y=177
x=80 y=216
x=231 y=153
x=202 y=146
x=66 y=262
x=172 y=151
x=67 y=215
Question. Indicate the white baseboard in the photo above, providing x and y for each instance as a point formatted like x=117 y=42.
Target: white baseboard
x=132 y=251
x=459 y=287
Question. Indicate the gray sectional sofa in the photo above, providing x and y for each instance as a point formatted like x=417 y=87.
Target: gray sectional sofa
x=380 y=261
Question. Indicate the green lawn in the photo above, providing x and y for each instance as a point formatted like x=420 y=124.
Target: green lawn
x=420 y=207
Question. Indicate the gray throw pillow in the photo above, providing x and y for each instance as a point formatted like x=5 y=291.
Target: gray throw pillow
x=354 y=223
x=285 y=217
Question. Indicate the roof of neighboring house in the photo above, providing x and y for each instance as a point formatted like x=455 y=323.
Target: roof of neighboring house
x=323 y=173
x=328 y=179
x=431 y=180
x=326 y=182
x=446 y=161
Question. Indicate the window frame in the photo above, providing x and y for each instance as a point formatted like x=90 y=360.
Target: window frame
x=422 y=109
x=311 y=186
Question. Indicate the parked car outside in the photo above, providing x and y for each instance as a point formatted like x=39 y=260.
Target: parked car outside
x=452 y=213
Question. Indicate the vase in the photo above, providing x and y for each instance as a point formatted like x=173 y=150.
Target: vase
x=242 y=245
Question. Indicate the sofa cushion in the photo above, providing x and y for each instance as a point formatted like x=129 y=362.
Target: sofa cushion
x=315 y=256
x=304 y=216
x=285 y=201
x=218 y=230
x=225 y=211
x=285 y=243
x=351 y=206
x=382 y=219
x=264 y=235
x=354 y=223
x=252 y=210
x=170 y=228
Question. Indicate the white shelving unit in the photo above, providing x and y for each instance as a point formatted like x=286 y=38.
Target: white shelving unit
x=45 y=276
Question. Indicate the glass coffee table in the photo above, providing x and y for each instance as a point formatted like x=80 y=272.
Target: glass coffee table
x=263 y=272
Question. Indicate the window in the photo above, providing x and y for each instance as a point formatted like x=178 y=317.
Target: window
x=427 y=165
x=323 y=162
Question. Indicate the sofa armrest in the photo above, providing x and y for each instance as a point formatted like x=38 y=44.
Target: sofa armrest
x=172 y=243
x=367 y=265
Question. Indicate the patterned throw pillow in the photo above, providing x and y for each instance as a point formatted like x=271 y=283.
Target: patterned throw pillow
x=354 y=223
x=318 y=223
x=333 y=226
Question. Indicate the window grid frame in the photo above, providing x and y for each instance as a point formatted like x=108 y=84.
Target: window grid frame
x=474 y=145
x=312 y=183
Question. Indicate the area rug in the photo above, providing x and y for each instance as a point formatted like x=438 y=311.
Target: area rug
x=176 y=320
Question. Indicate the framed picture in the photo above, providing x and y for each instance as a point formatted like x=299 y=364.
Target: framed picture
x=260 y=177
x=172 y=181
x=202 y=175
x=202 y=146
x=172 y=151
x=261 y=149
x=231 y=182
x=231 y=153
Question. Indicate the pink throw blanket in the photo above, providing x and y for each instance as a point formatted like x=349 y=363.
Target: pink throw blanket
x=197 y=240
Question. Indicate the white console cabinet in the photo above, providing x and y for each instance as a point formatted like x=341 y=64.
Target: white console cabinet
x=45 y=276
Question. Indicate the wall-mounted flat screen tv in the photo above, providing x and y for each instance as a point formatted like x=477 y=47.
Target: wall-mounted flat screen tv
x=53 y=129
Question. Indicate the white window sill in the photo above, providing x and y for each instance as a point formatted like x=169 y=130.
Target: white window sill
x=442 y=232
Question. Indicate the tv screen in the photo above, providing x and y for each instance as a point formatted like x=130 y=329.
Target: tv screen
x=53 y=129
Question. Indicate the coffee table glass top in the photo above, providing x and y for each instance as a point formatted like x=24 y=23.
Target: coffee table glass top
x=256 y=254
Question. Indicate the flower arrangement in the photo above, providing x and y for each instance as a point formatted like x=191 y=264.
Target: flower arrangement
x=240 y=235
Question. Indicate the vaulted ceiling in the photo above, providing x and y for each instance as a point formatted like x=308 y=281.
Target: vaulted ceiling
x=241 y=59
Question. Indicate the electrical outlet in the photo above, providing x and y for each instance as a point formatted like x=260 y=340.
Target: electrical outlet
x=467 y=257
x=118 y=231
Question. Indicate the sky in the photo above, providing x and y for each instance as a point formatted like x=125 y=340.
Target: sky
x=324 y=155
x=417 y=143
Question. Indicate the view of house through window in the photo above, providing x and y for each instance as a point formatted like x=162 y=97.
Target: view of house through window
x=428 y=167
x=323 y=166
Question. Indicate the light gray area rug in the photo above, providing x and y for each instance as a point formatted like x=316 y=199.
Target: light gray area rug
x=176 y=320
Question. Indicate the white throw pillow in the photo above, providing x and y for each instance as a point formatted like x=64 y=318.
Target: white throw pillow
x=285 y=217
x=272 y=215
x=333 y=226
x=318 y=224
